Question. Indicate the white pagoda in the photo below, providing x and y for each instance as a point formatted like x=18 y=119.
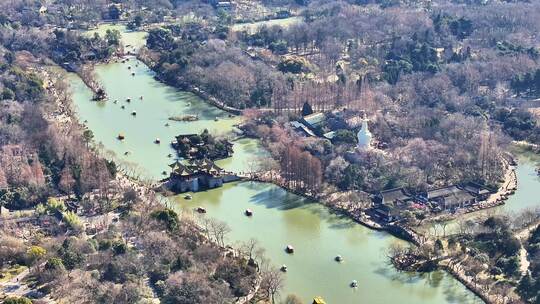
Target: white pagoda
x=364 y=136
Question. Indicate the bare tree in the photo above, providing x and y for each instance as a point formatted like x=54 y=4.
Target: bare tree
x=272 y=282
x=219 y=231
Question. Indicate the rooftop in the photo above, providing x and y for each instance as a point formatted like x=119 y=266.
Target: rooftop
x=442 y=192
x=180 y=169
x=458 y=198
x=196 y=166
x=298 y=125
x=207 y=166
x=476 y=188
x=392 y=195
x=313 y=120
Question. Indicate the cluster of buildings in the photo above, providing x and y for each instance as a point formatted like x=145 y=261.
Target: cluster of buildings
x=390 y=205
x=197 y=175
x=312 y=125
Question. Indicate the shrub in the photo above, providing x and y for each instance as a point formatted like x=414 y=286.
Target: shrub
x=168 y=217
x=71 y=253
x=294 y=65
x=344 y=137
x=72 y=220
x=53 y=206
x=237 y=275
x=293 y=299
x=34 y=253
x=21 y=300
x=55 y=264
x=119 y=247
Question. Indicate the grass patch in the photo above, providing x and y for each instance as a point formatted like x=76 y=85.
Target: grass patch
x=9 y=273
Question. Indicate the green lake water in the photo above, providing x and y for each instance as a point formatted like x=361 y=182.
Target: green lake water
x=280 y=218
x=528 y=192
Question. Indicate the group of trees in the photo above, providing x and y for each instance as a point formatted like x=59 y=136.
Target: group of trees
x=484 y=250
x=82 y=13
x=188 y=57
x=38 y=159
x=180 y=263
x=528 y=84
x=202 y=146
x=300 y=170
x=69 y=46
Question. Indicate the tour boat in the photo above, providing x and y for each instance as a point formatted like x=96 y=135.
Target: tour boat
x=134 y=113
x=121 y=136
x=284 y=268
x=157 y=141
x=289 y=249
x=188 y=196
x=354 y=284
x=249 y=212
x=338 y=258
x=201 y=210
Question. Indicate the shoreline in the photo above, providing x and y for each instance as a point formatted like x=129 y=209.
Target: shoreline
x=65 y=118
x=408 y=234
x=353 y=214
x=205 y=97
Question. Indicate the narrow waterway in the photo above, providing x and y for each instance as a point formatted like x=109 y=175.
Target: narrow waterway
x=280 y=218
x=528 y=193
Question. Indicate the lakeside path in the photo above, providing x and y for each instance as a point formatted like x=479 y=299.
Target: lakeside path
x=523 y=236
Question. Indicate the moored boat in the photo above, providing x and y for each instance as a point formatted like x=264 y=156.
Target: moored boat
x=201 y=210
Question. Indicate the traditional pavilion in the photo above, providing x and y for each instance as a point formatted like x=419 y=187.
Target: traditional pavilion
x=196 y=175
